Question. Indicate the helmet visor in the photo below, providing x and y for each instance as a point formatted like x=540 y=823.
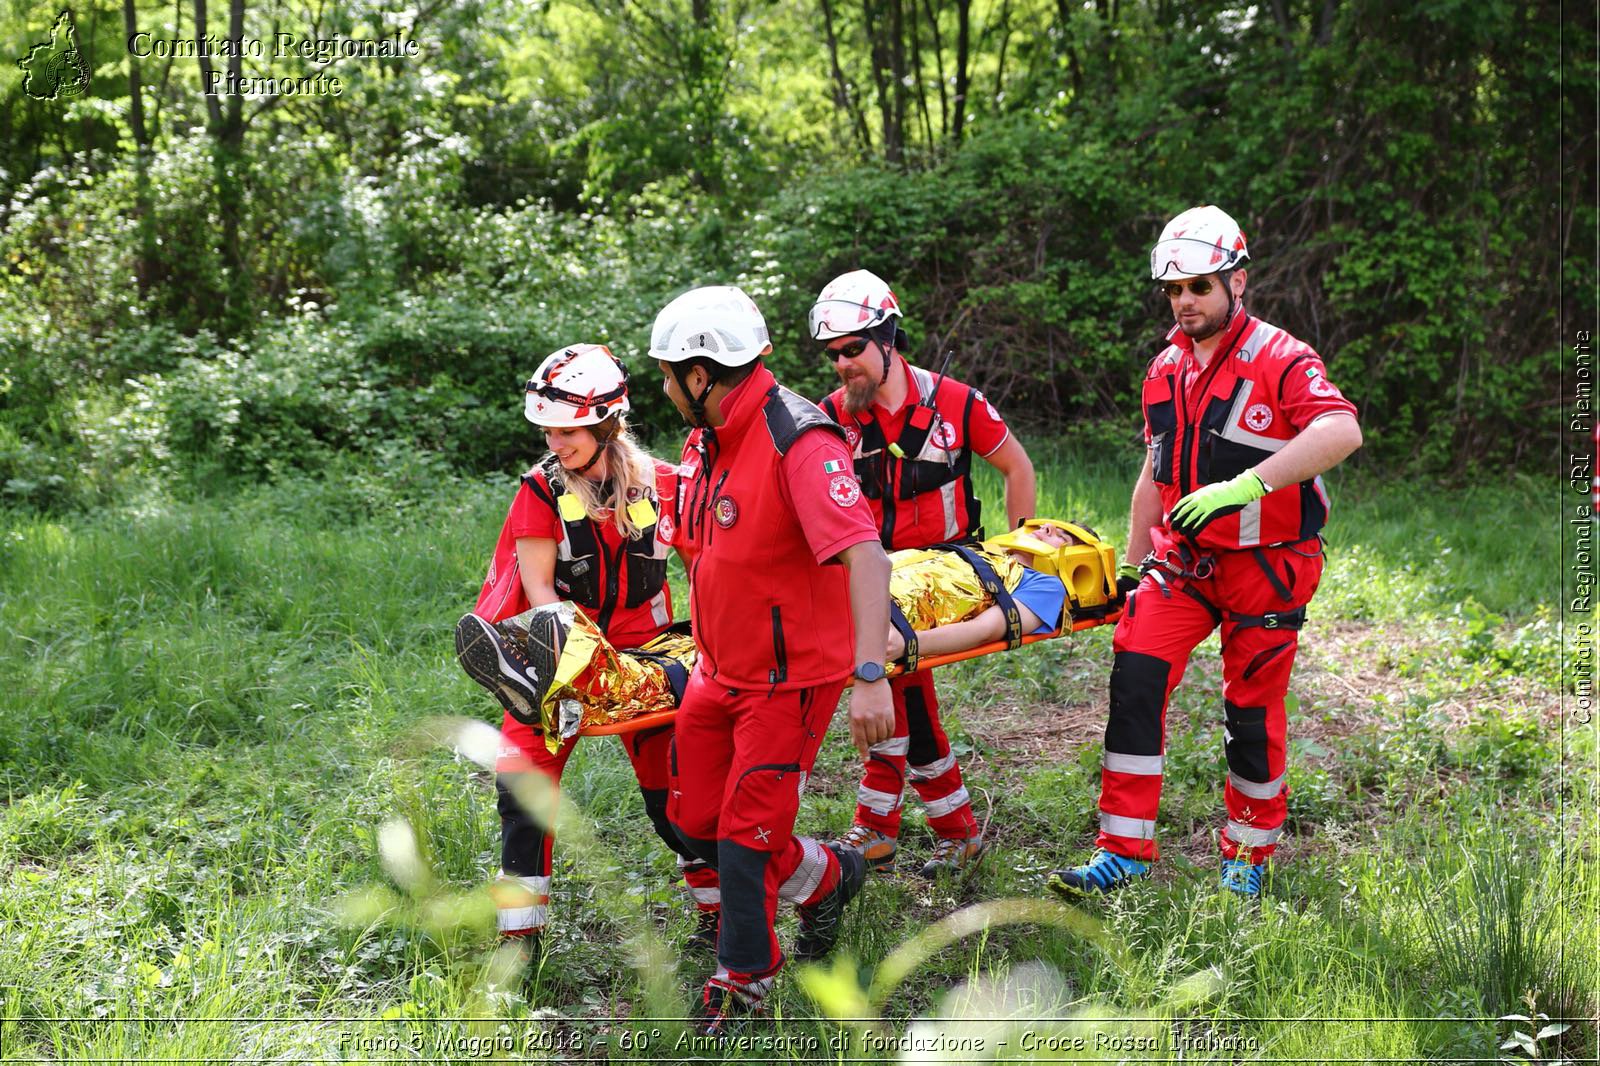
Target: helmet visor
x=835 y=318
x=1190 y=257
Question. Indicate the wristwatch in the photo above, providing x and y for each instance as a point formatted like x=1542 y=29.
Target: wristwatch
x=870 y=672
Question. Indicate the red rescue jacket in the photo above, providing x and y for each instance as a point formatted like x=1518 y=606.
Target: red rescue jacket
x=766 y=614
x=1261 y=387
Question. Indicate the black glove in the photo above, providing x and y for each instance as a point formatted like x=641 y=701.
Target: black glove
x=1128 y=578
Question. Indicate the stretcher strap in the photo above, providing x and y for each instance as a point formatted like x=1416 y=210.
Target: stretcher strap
x=677 y=673
x=994 y=587
x=902 y=625
x=928 y=662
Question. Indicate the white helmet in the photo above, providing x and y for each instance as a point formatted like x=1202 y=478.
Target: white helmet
x=715 y=322
x=1202 y=240
x=578 y=386
x=852 y=303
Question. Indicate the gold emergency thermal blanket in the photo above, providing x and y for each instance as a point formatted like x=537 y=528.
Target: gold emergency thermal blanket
x=938 y=588
x=595 y=684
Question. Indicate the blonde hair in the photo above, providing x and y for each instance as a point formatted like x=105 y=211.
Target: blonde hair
x=630 y=473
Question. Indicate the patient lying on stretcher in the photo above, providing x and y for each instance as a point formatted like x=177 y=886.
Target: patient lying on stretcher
x=945 y=600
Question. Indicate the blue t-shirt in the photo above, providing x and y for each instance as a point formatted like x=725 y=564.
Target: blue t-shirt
x=1042 y=594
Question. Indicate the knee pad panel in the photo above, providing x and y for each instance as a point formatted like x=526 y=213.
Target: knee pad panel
x=1247 y=741
x=1138 y=699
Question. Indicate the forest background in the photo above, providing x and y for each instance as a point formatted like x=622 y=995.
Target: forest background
x=225 y=287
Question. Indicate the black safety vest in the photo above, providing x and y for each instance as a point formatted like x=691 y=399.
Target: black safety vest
x=585 y=573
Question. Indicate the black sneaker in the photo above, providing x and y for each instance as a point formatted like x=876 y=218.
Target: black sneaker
x=494 y=661
x=819 y=923
x=703 y=941
x=547 y=636
x=727 y=1007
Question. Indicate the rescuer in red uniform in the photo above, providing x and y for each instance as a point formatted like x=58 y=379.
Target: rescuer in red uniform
x=767 y=507
x=912 y=436
x=591 y=523
x=1240 y=421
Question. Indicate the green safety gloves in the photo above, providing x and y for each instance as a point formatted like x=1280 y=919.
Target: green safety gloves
x=1197 y=510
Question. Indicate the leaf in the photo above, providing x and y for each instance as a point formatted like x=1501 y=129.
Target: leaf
x=1555 y=1029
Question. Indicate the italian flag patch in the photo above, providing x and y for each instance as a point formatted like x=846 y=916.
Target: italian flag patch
x=833 y=466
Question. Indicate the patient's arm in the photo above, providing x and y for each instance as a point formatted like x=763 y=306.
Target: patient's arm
x=983 y=628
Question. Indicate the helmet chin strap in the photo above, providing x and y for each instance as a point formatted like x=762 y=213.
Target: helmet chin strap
x=600 y=450
x=697 y=404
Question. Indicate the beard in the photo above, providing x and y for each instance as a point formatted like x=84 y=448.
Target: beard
x=1208 y=325
x=859 y=391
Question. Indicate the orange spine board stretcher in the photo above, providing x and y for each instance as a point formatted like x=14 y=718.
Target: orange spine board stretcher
x=660 y=718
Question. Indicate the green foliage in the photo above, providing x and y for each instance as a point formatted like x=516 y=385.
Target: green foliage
x=213 y=707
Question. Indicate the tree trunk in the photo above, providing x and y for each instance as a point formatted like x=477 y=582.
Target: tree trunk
x=144 y=262
x=916 y=68
x=880 y=64
x=843 y=96
x=963 y=44
x=938 y=66
x=227 y=167
x=897 y=71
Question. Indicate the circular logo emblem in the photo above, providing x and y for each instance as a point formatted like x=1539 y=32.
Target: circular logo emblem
x=1321 y=386
x=1258 y=417
x=725 y=511
x=944 y=435
x=665 y=529
x=852 y=435
x=843 y=490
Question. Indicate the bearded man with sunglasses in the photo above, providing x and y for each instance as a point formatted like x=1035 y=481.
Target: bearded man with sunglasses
x=1240 y=421
x=912 y=436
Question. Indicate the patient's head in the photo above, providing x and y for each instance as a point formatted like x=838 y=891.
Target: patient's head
x=1046 y=533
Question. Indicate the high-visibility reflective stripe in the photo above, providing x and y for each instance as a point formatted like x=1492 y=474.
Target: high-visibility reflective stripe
x=802 y=884
x=1250 y=836
x=947 y=496
x=1143 y=765
x=539 y=886
x=519 y=919
x=1232 y=431
x=706 y=895
x=1256 y=789
x=953 y=802
x=933 y=769
x=892 y=746
x=751 y=992
x=1250 y=525
x=1132 y=828
x=877 y=802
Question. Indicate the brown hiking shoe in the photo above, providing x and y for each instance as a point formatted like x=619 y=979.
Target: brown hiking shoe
x=876 y=847
x=951 y=856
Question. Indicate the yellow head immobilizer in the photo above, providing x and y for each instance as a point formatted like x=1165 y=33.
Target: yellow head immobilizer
x=1084 y=567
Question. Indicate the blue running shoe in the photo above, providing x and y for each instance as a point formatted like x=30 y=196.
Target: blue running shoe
x=1241 y=877
x=1105 y=872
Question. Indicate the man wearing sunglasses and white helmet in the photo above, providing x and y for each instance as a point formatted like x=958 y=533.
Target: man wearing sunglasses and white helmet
x=912 y=436
x=1240 y=421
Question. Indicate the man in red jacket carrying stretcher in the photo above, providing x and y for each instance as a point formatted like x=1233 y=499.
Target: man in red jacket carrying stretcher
x=912 y=439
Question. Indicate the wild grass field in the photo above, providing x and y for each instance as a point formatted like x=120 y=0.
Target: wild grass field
x=234 y=828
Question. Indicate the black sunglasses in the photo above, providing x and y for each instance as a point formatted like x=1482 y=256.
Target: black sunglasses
x=1198 y=286
x=848 y=351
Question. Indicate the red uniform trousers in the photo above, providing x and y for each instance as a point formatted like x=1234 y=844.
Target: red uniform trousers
x=1160 y=628
x=740 y=759
x=525 y=842
x=919 y=750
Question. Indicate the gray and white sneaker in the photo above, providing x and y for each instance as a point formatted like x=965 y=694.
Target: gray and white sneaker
x=497 y=662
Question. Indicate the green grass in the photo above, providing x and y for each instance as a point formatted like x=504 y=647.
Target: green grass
x=211 y=709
